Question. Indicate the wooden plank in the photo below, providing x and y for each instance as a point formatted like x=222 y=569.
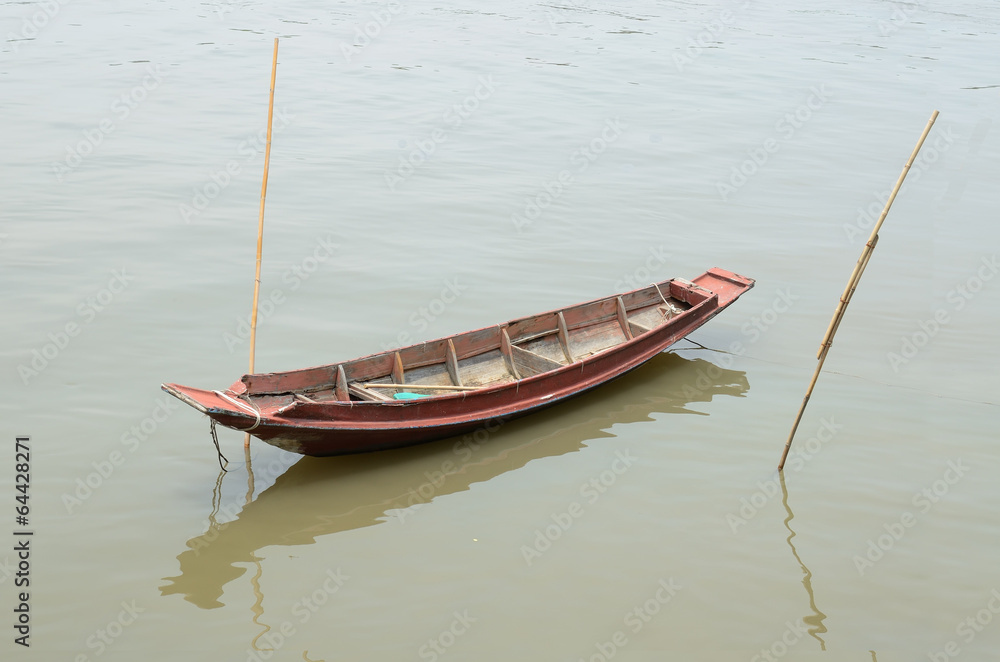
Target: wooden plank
x=286 y=382
x=365 y=394
x=369 y=367
x=641 y=298
x=589 y=313
x=397 y=370
x=649 y=317
x=623 y=319
x=505 y=350
x=531 y=327
x=473 y=343
x=436 y=374
x=341 y=390
x=484 y=369
x=595 y=338
x=526 y=340
x=686 y=291
x=529 y=363
x=424 y=354
x=564 y=337
x=638 y=329
x=453 y=364
x=547 y=346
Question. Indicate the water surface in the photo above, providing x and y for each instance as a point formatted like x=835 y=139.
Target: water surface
x=418 y=148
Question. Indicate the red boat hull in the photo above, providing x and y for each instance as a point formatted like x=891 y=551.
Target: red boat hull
x=338 y=427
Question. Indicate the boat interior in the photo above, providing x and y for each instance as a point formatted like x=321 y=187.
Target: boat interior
x=484 y=358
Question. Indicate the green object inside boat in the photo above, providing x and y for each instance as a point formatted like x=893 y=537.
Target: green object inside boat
x=409 y=396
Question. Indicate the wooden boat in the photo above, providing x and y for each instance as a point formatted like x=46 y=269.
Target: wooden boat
x=457 y=384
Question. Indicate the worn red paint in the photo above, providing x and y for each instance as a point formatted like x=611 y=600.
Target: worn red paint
x=336 y=427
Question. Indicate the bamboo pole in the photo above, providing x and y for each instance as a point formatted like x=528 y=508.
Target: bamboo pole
x=427 y=387
x=260 y=220
x=852 y=285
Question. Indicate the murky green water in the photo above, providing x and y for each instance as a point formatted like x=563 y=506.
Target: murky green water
x=519 y=157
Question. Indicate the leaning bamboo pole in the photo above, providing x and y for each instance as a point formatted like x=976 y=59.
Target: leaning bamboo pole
x=425 y=387
x=260 y=220
x=852 y=285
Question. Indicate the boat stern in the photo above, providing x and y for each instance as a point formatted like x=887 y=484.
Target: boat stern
x=200 y=400
x=212 y=403
x=727 y=285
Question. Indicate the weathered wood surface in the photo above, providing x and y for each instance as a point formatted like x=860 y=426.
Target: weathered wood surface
x=529 y=364
x=509 y=370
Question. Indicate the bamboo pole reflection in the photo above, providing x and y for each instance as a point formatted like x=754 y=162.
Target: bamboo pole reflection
x=246 y=453
x=258 y=606
x=815 y=620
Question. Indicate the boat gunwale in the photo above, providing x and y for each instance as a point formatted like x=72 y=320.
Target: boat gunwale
x=284 y=416
x=242 y=389
x=321 y=417
x=326 y=423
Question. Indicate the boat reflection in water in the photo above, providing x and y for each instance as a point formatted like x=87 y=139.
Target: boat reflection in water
x=320 y=496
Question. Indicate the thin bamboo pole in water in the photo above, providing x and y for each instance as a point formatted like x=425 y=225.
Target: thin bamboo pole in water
x=852 y=284
x=260 y=220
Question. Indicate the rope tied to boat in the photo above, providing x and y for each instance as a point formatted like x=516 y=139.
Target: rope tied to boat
x=218 y=450
x=670 y=306
x=250 y=407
